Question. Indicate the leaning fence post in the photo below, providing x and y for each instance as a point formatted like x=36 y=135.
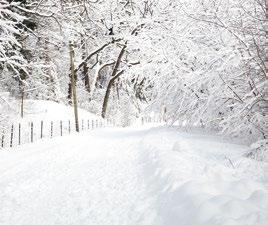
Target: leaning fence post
x=61 y=128
x=32 y=132
x=19 y=134
x=51 y=129
x=41 y=129
x=11 y=135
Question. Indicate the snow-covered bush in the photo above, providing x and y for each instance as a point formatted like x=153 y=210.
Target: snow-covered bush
x=259 y=151
x=213 y=74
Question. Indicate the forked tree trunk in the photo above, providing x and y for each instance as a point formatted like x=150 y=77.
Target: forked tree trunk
x=114 y=76
x=80 y=66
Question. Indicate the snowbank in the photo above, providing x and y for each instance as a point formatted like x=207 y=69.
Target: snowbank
x=259 y=151
x=201 y=180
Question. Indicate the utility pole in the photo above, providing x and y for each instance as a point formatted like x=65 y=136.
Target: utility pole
x=73 y=84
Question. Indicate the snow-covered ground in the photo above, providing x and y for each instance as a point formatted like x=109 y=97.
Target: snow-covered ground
x=42 y=112
x=132 y=176
x=36 y=110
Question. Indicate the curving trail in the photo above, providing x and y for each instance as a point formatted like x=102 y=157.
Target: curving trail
x=142 y=176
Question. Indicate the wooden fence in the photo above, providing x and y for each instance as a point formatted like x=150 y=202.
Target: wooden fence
x=30 y=131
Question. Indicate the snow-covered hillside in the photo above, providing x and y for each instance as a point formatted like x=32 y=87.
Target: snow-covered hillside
x=42 y=119
x=37 y=110
x=131 y=176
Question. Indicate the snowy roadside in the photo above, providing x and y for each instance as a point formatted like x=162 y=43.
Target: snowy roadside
x=147 y=176
x=43 y=119
x=200 y=179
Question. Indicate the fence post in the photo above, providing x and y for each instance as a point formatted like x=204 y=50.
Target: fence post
x=3 y=139
x=96 y=124
x=88 y=124
x=61 y=128
x=42 y=126
x=82 y=124
x=92 y=124
x=32 y=132
x=19 y=134
x=11 y=135
x=69 y=126
x=51 y=129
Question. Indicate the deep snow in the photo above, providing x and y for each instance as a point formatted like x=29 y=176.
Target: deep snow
x=45 y=112
x=37 y=110
x=132 y=176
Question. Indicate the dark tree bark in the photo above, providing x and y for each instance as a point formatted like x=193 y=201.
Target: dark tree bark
x=81 y=65
x=85 y=68
x=114 y=76
x=73 y=87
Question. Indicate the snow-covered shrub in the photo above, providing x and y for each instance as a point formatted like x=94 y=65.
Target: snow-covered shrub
x=259 y=151
x=7 y=108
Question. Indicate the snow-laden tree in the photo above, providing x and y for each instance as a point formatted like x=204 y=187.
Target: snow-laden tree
x=202 y=63
x=11 y=58
x=215 y=76
x=13 y=65
x=99 y=30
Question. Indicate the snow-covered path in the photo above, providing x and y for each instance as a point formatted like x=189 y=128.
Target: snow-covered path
x=132 y=176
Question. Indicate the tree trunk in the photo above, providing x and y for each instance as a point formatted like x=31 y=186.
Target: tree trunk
x=107 y=94
x=22 y=102
x=266 y=44
x=85 y=71
x=73 y=87
x=114 y=76
x=69 y=96
x=85 y=67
